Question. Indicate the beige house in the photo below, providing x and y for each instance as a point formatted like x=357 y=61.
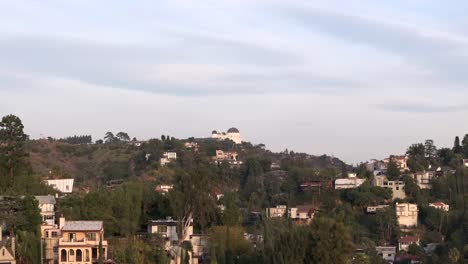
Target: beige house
x=302 y=214
x=7 y=250
x=424 y=179
x=232 y=134
x=230 y=156
x=278 y=211
x=407 y=214
x=79 y=242
x=397 y=187
x=50 y=235
x=167 y=158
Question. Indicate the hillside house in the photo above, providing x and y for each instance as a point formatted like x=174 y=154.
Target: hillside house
x=163 y=188
x=424 y=179
x=407 y=214
x=400 y=161
x=302 y=214
x=406 y=241
x=347 y=183
x=167 y=158
x=232 y=157
x=62 y=185
x=440 y=205
x=278 y=211
x=79 y=242
x=169 y=230
x=387 y=253
x=47 y=208
x=397 y=187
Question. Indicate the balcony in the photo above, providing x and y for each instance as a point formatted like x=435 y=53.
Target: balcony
x=80 y=242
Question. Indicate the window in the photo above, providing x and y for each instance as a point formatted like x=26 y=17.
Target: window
x=54 y=234
x=162 y=229
x=79 y=255
x=71 y=236
x=87 y=255
x=397 y=188
x=94 y=253
x=91 y=236
x=63 y=255
x=71 y=255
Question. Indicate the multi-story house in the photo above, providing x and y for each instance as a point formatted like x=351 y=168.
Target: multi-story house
x=302 y=214
x=232 y=157
x=424 y=179
x=169 y=229
x=397 y=187
x=407 y=214
x=79 y=242
x=47 y=208
x=167 y=158
x=62 y=185
x=347 y=183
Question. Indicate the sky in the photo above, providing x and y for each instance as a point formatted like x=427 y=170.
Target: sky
x=353 y=79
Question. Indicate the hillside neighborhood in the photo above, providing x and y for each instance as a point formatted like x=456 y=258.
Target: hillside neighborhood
x=219 y=199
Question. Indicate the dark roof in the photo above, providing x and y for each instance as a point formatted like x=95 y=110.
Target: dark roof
x=409 y=239
x=307 y=208
x=233 y=130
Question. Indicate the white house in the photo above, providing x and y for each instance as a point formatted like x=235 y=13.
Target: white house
x=232 y=134
x=407 y=214
x=62 y=185
x=347 y=183
x=47 y=208
x=374 y=209
x=387 y=253
x=167 y=158
x=440 y=206
x=163 y=189
x=168 y=230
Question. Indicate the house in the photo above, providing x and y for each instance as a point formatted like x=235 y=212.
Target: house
x=440 y=206
x=230 y=156
x=400 y=161
x=407 y=214
x=278 y=211
x=50 y=235
x=163 y=189
x=302 y=214
x=62 y=185
x=191 y=145
x=167 y=158
x=386 y=252
x=79 y=242
x=232 y=134
x=397 y=187
x=374 y=209
x=465 y=163
x=424 y=179
x=47 y=208
x=200 y=247
x=275 y=166
x=169 y=229
x=7 y=250
x=351 y=182
x=406 y=241
x=376 y=165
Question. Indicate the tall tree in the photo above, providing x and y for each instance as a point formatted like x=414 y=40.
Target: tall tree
x=456 y=145
x=109 y=137
x=122 y=136
x=12 y=139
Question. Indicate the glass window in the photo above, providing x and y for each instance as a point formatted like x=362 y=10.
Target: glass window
x=63 y=255
x=79 y=255
x=91 y=236
x=162 y=229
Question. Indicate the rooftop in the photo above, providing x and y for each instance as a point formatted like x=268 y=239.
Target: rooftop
x=82 y=226
x=409 y=239
x=45 y=199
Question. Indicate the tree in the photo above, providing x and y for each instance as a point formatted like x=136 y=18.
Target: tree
x=456 y=145
x=417 y=158
x=430 y=150
x=109 y=137
x=465 y=145
x=101 y=251
x=122 y=136
x=361 y=258
x=416 y=250
x=12 y=140
x=393 y=171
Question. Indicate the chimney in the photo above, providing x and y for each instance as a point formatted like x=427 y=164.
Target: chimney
x=61 y=222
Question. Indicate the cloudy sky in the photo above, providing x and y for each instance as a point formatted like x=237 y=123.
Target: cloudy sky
x=353 y=79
